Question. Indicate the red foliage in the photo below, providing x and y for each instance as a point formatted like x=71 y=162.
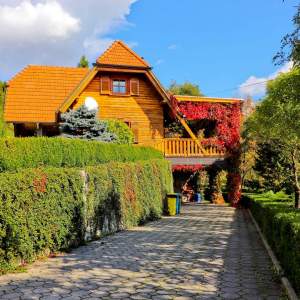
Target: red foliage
x=228 y=122
x=234 y=189
x=187 y=168
x=40 y=183
x=227 y=117
x=213 y=142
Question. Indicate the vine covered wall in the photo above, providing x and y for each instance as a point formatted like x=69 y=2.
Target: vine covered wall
x=227 y=117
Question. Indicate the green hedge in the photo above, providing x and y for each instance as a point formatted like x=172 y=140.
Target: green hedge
x=45 y=210
x=280 y=223
x=19 y=153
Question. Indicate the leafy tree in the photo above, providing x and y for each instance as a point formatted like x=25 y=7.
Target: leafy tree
x=273 y=166
x=5 y=129
x=290 y=44
x=83 y=123
x=277 y=118
x=247 y=161
x=2 y=92
x=187 y=88
x=83 y=63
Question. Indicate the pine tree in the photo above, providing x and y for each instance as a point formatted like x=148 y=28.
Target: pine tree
x=83 y=63
x=83 y=123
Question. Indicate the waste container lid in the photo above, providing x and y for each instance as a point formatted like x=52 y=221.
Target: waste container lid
x=173 y=194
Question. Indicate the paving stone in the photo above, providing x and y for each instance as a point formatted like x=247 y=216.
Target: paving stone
x=207 y=252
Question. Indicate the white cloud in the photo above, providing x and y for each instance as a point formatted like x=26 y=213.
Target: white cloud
x=94 y=46
x=29 y=23
x=172 y=47
x=57 y=32
x=256 y=86
x=159 y=62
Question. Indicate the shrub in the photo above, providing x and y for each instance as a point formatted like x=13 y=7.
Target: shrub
x=280 y=223
x=45 y=210
x=84 y=124
x=123 y=133
x=18 y=153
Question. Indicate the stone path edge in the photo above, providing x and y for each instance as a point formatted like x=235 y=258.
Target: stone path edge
x=279 y=270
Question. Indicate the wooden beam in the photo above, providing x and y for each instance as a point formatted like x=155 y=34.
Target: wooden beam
x=82 y=85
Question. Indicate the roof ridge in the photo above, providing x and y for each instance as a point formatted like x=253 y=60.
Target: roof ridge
x=54 y=66
x=26 y=68
x=208 y=97
x=114 y=44
x=132 y=52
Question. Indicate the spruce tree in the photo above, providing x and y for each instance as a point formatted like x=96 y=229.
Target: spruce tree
x=83 y=63
x=83 y=123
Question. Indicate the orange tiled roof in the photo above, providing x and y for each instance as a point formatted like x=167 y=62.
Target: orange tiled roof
x=36 y=93
x=118 y=54
x=182 y=98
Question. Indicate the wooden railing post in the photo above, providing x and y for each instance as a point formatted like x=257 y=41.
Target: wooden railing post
x=185 y=147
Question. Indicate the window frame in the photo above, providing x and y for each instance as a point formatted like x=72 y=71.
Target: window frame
x=119 y=79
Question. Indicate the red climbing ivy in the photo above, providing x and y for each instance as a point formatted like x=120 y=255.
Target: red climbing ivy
x=234 y=188
x=227 y=117
x=228 y=121
x=187 y=168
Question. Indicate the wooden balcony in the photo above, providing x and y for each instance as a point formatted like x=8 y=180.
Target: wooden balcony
x=186 y=147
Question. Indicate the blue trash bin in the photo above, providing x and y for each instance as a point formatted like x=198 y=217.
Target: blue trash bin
x=198 y=198
x=178 y=203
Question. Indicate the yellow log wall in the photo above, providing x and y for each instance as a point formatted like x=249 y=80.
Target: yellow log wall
x=145 y=111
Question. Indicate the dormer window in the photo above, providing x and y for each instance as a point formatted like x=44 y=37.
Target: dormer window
x=122 y=86
x=119 y=86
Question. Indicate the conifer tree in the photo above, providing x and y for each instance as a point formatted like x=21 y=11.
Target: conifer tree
x=83 y=123
x=83 y=63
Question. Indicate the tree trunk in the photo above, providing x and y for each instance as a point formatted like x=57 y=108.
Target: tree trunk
x=296 y=179
x=297 y=198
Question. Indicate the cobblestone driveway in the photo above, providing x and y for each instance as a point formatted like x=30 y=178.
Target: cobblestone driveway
x=207 y=252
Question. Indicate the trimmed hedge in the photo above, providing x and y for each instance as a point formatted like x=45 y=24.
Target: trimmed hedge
x=280 y=223
x=19 y=153
x=45 y=210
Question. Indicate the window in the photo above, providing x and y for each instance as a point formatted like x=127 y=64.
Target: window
x=136 y=135
x=133 y=127
x=128 y=123
x=119 y=86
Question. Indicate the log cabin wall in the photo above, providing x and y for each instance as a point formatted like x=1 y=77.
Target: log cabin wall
x=142 y=112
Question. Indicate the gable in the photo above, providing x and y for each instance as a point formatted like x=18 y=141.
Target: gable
x=118 y=54
x=144 y=86
x=36 y=93
x=93 y=73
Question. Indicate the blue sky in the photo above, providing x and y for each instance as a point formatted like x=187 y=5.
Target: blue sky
x=216 y=44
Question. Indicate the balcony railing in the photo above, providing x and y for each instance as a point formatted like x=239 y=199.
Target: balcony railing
x=184 y=147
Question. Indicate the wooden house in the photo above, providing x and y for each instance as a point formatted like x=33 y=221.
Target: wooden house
x=125 y=88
